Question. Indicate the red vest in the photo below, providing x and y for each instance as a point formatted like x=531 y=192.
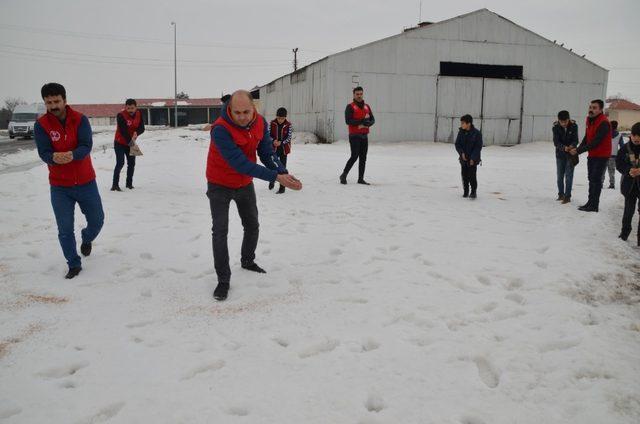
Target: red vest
x=604 y=149
x=64 y=139
x=218 y=170
x=132 y=125
x=358 y=115
x=284 y=134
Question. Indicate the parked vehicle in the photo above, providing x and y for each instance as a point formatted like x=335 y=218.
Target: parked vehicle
x=23 y=119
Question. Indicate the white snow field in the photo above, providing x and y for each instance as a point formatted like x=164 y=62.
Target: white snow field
x=400 y=302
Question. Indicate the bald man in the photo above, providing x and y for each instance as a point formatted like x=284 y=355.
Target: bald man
x=236 y=136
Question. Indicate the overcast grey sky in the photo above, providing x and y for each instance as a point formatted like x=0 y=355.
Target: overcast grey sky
x=106 y=51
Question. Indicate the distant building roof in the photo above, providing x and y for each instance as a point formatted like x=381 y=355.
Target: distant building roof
x=111 y=109
x=621 y=104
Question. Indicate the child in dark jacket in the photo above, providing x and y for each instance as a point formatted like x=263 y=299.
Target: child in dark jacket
x=628 y=164
x=469 y=146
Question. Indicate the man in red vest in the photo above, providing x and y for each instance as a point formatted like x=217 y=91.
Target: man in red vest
x=130 y=126
x=64 y=140
x=236 y=137
x=359 y=118
x=596 y=141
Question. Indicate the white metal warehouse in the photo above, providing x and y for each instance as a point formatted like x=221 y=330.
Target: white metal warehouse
x=418 y=83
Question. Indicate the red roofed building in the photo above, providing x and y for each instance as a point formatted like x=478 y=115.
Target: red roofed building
x=156 y=111
x=625 y=112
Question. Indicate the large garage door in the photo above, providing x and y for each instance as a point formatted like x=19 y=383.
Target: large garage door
x=457 y=96
x=492 y=94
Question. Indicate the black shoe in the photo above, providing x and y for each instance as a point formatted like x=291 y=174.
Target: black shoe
x=130 y=186
x=361 y=181
x=221 y=291
x=566 y=200
x=280 y=190
x=584 y=207
x=588 y=208
x=73 y=272
x=473 y=195
x=465 y=194
x=115 y=188
x=624 y=234
x=560 y=198
x=272 y=184
x=343 y=179
x=85 y=249
x=254 y=267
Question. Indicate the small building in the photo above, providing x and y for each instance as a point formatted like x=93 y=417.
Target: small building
x=419 y=82
x=625 y=112
x=156 y=111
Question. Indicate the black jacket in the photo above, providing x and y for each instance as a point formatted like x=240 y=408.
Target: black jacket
x=469 y=143
x=564 y=137
x=624 y=165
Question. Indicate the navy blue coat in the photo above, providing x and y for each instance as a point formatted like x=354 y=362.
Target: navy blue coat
x=623 y=165
x=469 y=143
x=564 y=138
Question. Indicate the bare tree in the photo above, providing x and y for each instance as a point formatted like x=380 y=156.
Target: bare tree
x=182 y=95
x=10 y=103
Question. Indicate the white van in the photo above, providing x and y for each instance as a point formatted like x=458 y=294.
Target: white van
x=23 y=119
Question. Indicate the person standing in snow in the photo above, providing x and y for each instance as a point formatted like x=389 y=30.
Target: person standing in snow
x=596 y=141
x=236 y=136
x=469 y=145
x=64 y=140
x=628 y=164
x=130 y=126
x=565 y=137
x=281 y=132
x=359 y=118
x=616 y=144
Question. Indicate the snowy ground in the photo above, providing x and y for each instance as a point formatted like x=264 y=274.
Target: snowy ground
x=395 y=303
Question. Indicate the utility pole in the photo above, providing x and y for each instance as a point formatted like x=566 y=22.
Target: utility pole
x=420 y=14
x=175 y=74
x=295 y=59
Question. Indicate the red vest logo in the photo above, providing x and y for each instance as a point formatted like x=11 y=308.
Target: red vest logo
x=55 y=135
x=129 y=123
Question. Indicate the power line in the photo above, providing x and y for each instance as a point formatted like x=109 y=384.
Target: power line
x=81 y=61
x=159 y=60
x=114 y=37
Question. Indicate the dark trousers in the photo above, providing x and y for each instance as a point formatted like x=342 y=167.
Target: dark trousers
x=630 y=201
x=469 y=176
x=283 y=159
x=219 y=199
x=63 y=201
x=564 y=174
x=121 y=153
x=596 y=168
x=359 y=146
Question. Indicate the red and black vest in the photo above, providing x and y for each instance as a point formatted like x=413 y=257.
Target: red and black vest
x=281 y=135
x=604 y=148
x=358 y=115
x=247 y=139
x=132 y=125
x=64 y=139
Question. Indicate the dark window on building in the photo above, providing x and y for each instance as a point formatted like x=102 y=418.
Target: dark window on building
x=458 y=69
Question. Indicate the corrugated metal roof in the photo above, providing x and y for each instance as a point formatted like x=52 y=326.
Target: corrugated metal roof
x=431 y=25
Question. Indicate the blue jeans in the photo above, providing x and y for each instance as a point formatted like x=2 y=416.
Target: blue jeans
x=565 y=177
x=63 y=200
